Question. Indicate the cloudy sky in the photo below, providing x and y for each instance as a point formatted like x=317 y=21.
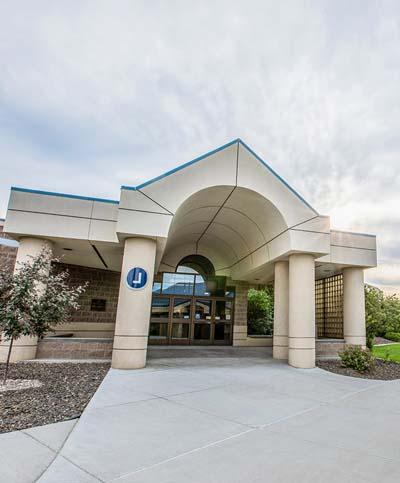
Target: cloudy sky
x=97 y=94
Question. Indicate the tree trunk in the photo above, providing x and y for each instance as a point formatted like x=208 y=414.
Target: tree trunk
x=8 y=360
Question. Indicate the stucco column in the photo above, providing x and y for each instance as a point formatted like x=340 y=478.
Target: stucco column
x=133 y=311
x=25 y=347
x=354 y=306
x=301 y=310
x=281 y=310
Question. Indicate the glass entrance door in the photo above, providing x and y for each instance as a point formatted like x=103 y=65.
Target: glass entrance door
x=180 y=322
x=191 y=320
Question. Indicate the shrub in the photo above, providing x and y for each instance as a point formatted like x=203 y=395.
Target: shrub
x=382 y=313
x=370 y=340
x=262 y=326
x=260 y=311
x=357 y=358
x=395 y=336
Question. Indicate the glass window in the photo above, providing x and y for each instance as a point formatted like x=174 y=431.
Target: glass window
x=181 y=308
x=230 y=292
x=160 y=308
x=211 y=286
x=202 y=331
x=222 y=332
x=158 y=330
x=223 y=310
x=200 y=286
x=202 y=309
x=178 y=284
x=180 y=331
x=185 y=269
x=157 y=287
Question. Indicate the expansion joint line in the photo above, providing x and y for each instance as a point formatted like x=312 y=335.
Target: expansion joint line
x=213 y=218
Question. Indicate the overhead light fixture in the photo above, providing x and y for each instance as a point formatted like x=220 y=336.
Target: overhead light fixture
x=68 y=249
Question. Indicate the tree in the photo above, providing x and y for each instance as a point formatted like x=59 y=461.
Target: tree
x=374 y=313
x=260 y=311
x=34 y=299
x=382 y=313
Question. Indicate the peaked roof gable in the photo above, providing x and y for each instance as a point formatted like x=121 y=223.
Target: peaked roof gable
x=212 y=152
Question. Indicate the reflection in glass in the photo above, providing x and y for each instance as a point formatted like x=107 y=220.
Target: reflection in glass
x=158 y=330
x=185 y=269
x=202 y=331
x=181 y=308
x=223 y=310
x=178 y=284
x=202 y=310
x=180 y=331
x=200 y=287
x=159 y=308
x=157 y=287
x=222 y=332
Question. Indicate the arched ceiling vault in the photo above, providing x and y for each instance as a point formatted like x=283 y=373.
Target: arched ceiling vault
x=227 y=224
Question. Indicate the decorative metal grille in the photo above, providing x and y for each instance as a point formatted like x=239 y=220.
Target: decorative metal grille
x=329 y=307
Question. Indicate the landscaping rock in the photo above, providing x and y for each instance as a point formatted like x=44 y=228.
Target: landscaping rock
x=66 y=389
x=19 y=384
x=382 y=370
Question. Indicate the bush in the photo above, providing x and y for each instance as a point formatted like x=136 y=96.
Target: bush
x=395 y=336
x=260 y=311
x=370 y=340
x=357 y=358
x=262 y=326
x=382 y=313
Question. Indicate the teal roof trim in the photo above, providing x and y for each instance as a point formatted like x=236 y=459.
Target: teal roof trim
x=189 y=163
x=182 y=166
x=277 y=175
x=63 y=195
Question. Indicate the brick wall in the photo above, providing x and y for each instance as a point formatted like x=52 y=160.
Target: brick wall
x=74 y=348
x=240 y=323
x=241 y=289
x=102 y=284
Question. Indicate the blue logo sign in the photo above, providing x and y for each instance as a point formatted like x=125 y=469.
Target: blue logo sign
x=136 y=278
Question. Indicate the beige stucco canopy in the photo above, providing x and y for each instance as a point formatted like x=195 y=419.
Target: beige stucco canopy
x=228 y=206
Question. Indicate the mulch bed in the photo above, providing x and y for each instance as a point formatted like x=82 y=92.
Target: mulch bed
x=383 y=370
x=66 y=390
x=382 y=340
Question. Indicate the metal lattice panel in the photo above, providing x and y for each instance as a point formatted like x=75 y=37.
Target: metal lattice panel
x=329 y=307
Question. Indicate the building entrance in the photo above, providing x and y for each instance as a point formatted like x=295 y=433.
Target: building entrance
x=192 y=306
x=191 y=320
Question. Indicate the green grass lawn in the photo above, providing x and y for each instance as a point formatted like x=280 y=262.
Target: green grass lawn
x=389 y=352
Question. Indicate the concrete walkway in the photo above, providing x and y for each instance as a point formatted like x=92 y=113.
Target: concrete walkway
x=25 y=455
x=232 y=415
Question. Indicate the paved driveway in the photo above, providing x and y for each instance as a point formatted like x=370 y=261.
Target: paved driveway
x=232 y=415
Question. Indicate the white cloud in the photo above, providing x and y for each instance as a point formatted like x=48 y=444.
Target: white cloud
x=98 y=94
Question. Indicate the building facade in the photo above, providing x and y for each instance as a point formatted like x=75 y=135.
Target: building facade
x=171 y=262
